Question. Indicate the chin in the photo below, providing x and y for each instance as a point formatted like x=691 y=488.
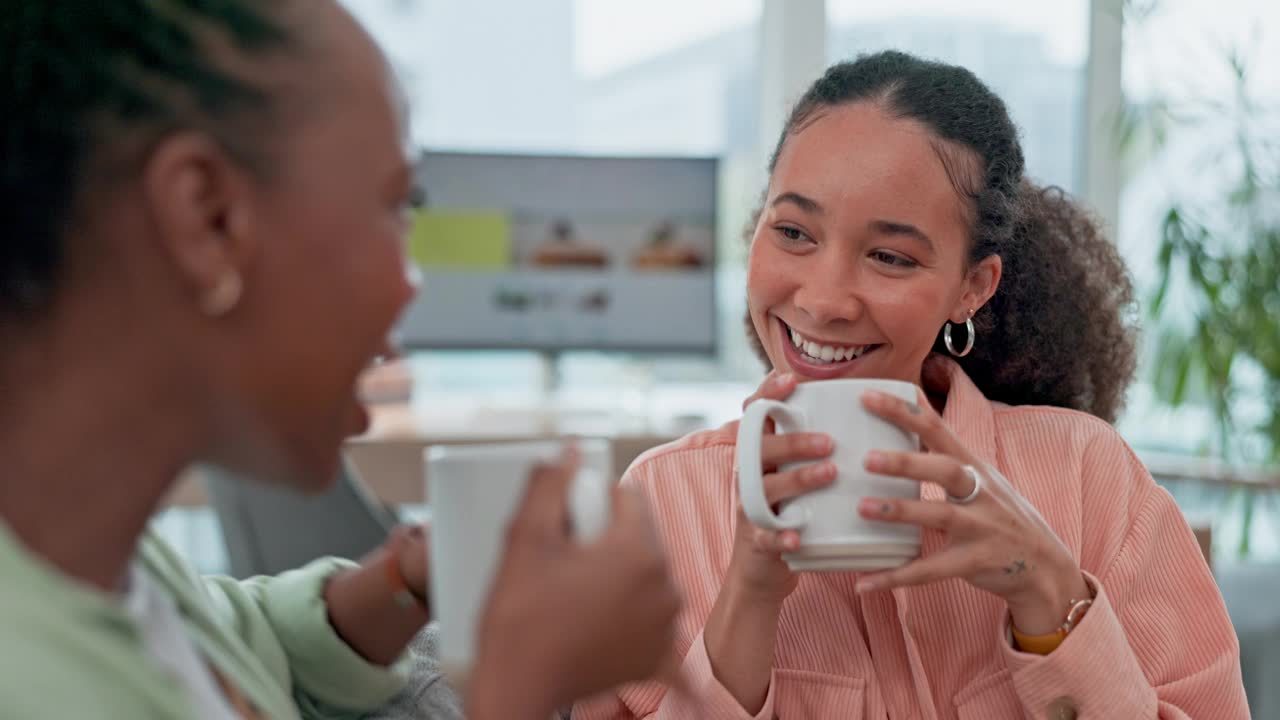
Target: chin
x=321 y=473
x=308 y=468
x=314 y=467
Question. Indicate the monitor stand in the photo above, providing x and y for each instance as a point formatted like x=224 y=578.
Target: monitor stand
x=552 y=377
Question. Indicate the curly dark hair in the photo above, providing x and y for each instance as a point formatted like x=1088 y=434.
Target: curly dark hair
x=1061 y=328
x=80 y=78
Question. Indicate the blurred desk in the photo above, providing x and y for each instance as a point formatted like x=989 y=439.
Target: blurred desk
x=1181 y=468
x=389 y=457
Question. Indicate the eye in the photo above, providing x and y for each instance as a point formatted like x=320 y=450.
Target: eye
x=792 y=235
x=892 y=259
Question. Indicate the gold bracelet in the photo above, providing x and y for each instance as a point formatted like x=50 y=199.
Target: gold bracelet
x=1045 y=644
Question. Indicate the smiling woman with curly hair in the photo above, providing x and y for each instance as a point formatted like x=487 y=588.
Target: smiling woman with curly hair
x=900 y=238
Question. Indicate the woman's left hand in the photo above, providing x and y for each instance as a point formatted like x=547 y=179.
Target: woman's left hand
x=997 y=542
x=413 y=559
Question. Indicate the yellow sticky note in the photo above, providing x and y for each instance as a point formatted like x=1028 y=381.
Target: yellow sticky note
x=473 y=240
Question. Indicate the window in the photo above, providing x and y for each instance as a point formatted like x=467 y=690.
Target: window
x=1031 y=54
x=589 y=76
x=1179 y=82
x=1177 y=60
x=584 y=76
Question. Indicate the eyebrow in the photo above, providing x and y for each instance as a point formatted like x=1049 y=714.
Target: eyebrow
x=890 y=227
x=808 y=205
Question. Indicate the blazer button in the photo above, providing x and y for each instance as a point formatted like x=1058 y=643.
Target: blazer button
x=1064 y=708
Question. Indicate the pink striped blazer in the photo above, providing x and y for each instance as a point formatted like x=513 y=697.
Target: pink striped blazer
x=1157 y=642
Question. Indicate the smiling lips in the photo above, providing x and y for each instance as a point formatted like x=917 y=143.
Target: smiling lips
x=822 y=354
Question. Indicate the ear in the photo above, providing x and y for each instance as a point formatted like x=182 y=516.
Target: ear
x=980 y=284
x=198 y=200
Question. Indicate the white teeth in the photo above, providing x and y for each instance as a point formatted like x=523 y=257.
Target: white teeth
x=823 y=354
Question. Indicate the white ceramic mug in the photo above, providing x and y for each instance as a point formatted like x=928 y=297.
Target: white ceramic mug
x=474 y=492
x=833 y=536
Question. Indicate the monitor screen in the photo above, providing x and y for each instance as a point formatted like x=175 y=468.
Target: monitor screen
x=564 y=253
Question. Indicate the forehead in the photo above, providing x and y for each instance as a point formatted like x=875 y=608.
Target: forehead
x=857 y=156
x=357 y=109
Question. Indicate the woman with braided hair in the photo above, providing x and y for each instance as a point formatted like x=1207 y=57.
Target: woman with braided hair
x=201 y=248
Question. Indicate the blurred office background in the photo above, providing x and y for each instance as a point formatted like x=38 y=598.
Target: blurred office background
x=1161 y=114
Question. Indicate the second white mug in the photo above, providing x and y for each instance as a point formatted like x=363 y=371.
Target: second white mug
x=474 y=492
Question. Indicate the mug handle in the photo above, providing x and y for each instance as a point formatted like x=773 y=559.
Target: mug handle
x=750 y=472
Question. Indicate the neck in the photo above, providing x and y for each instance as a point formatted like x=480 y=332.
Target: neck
x=92 y=441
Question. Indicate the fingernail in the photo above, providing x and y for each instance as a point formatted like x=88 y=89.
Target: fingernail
x=874 y=460
x=820 y=443
x=822 y=472
x=783 y=379
x=791 y=542
x=868 y=584
x=873 y=397
x=867 y=506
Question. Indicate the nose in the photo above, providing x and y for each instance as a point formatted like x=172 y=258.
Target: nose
x=830 y=295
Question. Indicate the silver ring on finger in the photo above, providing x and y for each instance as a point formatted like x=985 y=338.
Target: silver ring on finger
x=972 y=472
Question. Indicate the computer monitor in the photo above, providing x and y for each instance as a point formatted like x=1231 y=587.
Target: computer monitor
x=557 y=253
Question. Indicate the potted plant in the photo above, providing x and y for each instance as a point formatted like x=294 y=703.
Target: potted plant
x=1214 y=311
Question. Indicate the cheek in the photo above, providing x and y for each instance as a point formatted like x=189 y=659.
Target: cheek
x=768 y=282
x=388 y=269
x=911 y=313
x=334 y=287
x=368 y=262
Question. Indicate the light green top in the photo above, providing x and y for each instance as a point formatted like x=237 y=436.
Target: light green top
x=68 y=651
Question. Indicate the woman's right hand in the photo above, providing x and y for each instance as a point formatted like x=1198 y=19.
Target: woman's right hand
x=756 y=565
x=741 y=632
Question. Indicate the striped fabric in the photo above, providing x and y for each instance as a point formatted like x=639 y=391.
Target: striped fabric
x=1157 y=642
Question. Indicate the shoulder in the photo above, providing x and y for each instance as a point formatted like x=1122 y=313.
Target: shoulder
x=177 y=576
x=694 y=453
x=1065 y=436
x=1059 y=428
x=689 y=483
x=62 y=666
x=164 y=562
x=1071 y=454
x=1067 y=440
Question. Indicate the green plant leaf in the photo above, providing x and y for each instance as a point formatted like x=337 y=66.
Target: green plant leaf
x=1214 y=305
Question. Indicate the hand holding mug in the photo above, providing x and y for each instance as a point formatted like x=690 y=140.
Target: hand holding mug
x=995 y=538
x=817 y=504
x=566 y=620
x=756 y=563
